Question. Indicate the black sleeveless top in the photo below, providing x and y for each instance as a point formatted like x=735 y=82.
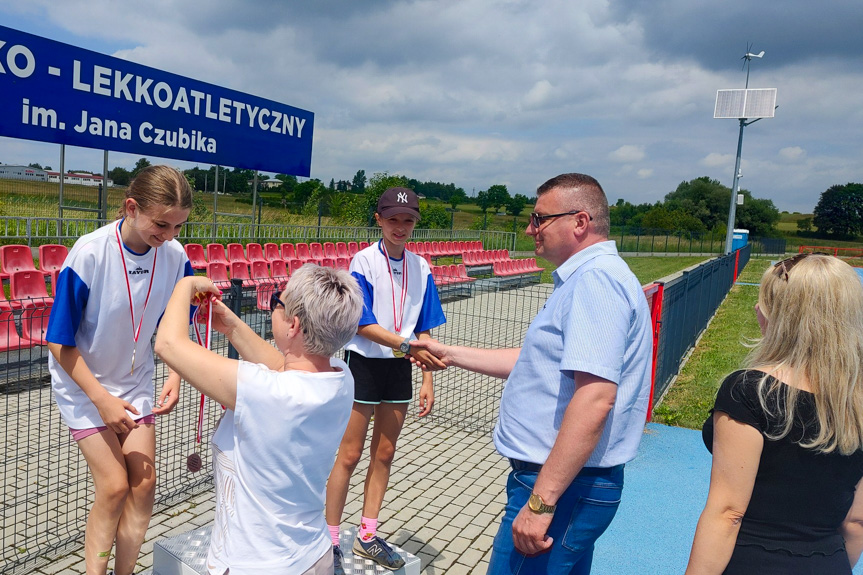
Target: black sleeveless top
x=800 y=497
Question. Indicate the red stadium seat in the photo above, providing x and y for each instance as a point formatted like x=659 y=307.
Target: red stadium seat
x=295 y=265
x=342 y=250
x=195 y=253
x=272 y=252
x=15 y=258
x=278 y=270
x=263 y=292
x=216 y=254
x=343 y=263
x=289 y=252
x=353 y=248
x=260 y=273
x=303 y=252
x=236 y=253
x=240 y=271
x=328 y=262
x=29 y=288
x=255 y=253
x=9 y=339
x=316 y=250
x=218 y=274
x=34 y=324
x=51 y=257
x=364 y=245
x=330 y=250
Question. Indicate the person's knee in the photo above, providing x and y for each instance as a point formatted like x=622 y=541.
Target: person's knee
x=113 y=492
x=385 y=453
x=349 y=457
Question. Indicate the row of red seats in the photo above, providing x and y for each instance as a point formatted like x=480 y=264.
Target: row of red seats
x=484 y=257
x=33 y=324
x=314 y=252
x=450 y=274
x=27 y=290
x=443 y=248
x=516 y=267
x=14 y=258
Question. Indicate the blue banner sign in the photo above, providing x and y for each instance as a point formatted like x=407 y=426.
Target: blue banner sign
x=54 y=92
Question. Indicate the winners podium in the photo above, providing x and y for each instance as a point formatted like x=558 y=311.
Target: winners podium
x=186 y=554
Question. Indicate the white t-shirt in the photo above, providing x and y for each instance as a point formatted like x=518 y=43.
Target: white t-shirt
x=272 y=456
x=91 y=312
x=382 y=297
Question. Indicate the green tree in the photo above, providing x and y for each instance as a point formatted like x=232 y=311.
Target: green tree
x=122 y=176
x=804 y=224
x=140 y=165
x=37 y=166
x=303 y=193
x=456 y=198
x=516 y=204
x=498 y=196
x=759 y=216
x=434 y=216
x=483 y=201
x=840 y=210
x=702 y=198
x=358 y=184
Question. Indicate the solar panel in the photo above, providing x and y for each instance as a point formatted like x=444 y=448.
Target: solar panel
x=751 y=103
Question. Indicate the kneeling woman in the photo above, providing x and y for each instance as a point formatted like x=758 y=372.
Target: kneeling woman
x=287 y=409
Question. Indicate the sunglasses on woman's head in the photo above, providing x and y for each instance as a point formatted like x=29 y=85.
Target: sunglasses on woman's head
x=783 y=267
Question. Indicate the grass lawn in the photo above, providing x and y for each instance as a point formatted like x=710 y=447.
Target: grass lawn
x=721 y=350
x=646 y=268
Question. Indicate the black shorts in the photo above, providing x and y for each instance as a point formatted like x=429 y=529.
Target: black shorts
x=380 y=380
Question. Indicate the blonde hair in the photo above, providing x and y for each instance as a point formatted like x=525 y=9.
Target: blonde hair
x=158 y=186
x=814 y=309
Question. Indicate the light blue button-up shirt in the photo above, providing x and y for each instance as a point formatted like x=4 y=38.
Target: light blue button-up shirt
x=595 y=321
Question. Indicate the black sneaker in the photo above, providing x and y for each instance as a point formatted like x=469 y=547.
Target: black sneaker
x=378 y=551
x=337 y=561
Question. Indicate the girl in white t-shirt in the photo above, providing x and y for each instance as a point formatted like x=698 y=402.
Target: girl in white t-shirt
x=286 y=410
x=110 y=294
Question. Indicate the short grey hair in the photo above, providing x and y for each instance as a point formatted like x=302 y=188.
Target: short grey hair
x=328 y=303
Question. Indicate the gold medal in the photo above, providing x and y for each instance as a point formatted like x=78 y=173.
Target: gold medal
x=398 y=353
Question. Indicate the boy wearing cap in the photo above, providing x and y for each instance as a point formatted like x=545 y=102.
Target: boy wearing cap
x=400 y=300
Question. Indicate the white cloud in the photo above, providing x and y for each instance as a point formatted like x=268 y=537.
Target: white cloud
x=714 y=160
x=627 y=154
x=792 y=153
x=645 y=173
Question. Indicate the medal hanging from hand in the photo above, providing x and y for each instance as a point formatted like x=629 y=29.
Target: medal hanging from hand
x=398 y=318
x=194 y=463
x=136 y=332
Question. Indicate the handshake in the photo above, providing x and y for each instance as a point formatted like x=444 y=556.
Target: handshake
x=429 y=354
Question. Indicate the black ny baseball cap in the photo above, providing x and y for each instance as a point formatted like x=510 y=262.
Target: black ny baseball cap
x=398 y=201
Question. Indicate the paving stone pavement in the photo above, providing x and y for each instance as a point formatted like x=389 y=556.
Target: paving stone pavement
x=445 y=498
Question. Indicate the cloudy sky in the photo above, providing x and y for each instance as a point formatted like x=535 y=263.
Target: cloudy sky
x=483 y=92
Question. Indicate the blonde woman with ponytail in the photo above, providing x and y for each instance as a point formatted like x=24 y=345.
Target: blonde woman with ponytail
x=786 y=433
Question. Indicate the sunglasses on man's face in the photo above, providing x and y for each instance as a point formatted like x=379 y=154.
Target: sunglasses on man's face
x=276 y=301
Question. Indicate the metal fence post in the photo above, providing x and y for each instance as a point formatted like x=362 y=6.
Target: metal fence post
x=236 y=307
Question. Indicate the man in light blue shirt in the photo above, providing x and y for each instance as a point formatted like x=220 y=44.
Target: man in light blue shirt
x=575 y=401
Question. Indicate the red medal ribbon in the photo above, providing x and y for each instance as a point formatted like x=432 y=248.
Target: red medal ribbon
x=397 y=321
x=135 y=332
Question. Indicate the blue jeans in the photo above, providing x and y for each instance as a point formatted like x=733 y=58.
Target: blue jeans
x=583 y=513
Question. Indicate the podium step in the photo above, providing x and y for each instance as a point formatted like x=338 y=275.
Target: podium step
x=186 y=554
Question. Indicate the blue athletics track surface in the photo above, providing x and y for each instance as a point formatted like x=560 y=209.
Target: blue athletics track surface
x=665 y=488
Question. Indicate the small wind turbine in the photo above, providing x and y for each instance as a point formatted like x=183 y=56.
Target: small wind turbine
x=747 y=58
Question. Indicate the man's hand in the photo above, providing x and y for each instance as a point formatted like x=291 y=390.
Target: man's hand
x=428 y=354
x=170 y=395
x=529 y=532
